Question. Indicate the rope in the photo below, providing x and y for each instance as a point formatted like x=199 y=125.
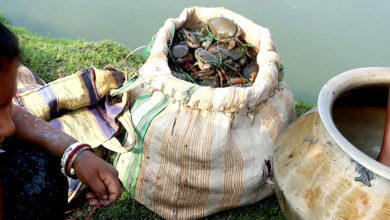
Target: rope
x=149 y=46
x=220 y=56
x=188 y=75
x=282 y=68
x=121 y=89
x=77 y=206
x=94 y=210
x=170 y=54
x=187 y=94
x=173 y=36
x=209 y=34
x=201 y=30
x=132 y=52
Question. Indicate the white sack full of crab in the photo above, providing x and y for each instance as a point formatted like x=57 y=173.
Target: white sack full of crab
x=204 y=141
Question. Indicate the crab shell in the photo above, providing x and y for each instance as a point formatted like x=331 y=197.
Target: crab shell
x=223 y=49
x=205 y=58
x=191 y=39
x=250 y=69
x=223 y=28
x=179 y=51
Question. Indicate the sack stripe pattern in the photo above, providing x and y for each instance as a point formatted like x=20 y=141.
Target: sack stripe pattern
x=160 y=107
x=233 y=188
x=162 y=127
x=137 y=151
x=271 y=119
x=141 y=128
x=286 y=101
x=140 y=100
x=145 y=155
x=186 y=161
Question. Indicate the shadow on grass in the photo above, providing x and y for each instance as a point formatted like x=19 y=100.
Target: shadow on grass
x=127 y=208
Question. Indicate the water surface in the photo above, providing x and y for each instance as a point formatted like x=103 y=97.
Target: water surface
x=316 y=39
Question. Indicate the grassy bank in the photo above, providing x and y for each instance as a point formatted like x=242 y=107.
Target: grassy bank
x=54 y=58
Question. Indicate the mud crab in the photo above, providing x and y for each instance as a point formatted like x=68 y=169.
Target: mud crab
x=192 y=38
x=208 y=64
x=180 y=53
x=224 y=30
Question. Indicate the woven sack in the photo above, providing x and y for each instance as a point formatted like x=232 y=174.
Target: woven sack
x=201 y=150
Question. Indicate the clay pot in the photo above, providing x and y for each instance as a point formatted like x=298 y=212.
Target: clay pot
x=325 y=166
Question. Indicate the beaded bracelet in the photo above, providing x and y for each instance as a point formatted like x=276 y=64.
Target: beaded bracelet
x=70 y=155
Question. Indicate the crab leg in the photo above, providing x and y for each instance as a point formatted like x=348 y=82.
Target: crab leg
x=227 y=77
x=234 y=69
x=220 y=77
x=245 y=48
x=207 y=72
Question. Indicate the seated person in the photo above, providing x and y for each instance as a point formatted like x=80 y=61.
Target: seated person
x=33 y=155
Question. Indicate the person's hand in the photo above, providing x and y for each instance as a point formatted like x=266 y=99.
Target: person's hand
x=100 y=176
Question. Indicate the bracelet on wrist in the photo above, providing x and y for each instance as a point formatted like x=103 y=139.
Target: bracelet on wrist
x=69 y=157
x=70 y=169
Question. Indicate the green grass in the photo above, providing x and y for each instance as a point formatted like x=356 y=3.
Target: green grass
x=127 y=208
x=54 y=58
x=302 y=107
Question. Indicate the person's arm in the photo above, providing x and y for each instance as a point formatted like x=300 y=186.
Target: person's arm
x=384 y=155
x=100 y=176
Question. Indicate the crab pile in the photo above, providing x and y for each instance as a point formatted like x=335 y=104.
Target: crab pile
x=213 y=55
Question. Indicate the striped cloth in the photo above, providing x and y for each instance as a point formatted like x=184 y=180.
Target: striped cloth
x=79 y=106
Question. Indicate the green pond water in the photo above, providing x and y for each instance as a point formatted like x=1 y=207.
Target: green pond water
x=316 y=39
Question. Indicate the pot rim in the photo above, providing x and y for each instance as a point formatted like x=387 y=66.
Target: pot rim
x=332 y=90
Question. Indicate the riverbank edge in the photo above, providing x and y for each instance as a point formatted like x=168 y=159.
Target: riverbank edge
x=53 y=58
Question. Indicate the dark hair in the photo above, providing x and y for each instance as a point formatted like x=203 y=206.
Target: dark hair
x=9 y=46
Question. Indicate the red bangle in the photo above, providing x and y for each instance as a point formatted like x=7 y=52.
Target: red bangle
x=70 y=172
x=67 y=167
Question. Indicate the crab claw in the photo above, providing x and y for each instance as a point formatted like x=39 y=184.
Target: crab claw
x=237 y=80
